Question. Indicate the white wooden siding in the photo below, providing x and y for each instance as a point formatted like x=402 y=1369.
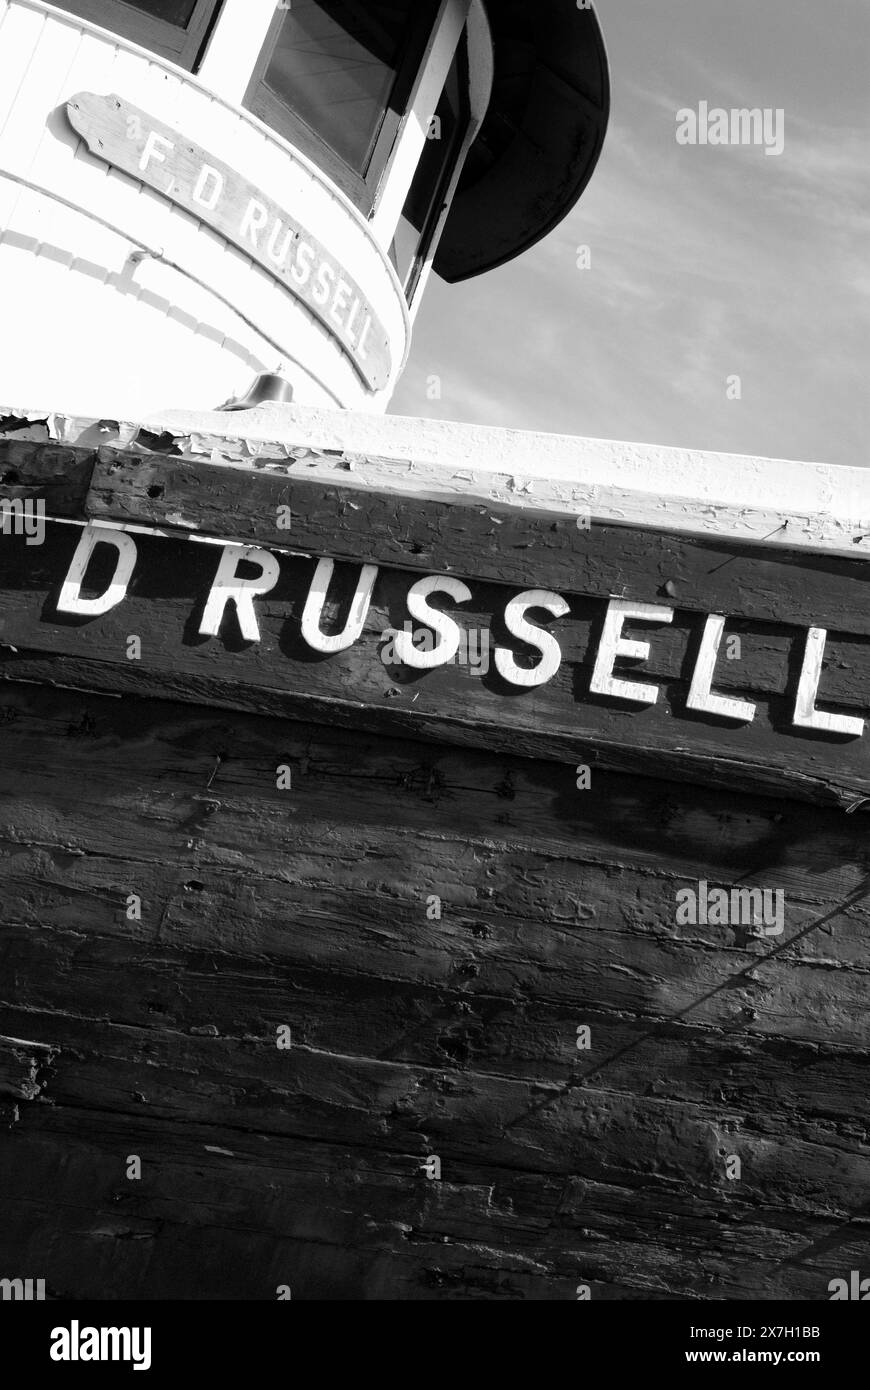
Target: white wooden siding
x=190 y=327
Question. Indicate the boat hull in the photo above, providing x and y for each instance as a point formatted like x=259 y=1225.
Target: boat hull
x=330 y=977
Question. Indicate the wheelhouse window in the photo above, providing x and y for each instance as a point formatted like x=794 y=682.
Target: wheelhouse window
x=426 y=200
x=176 y=29
x=335 y=78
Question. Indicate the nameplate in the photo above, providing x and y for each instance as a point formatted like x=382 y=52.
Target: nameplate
x=192 y=178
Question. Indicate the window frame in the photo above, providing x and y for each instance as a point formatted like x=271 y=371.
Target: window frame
x=439 y=199
x=362 y=189
x=181 y=46
x=479 y=64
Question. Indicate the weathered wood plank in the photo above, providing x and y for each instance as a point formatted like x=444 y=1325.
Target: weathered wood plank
x=521 y=546
x=51 y=884
x=249 y=1085
x=560 y=720
x=165 y=764
x=799 y=506
x=499 y=964
x=56 y=476
x=502 y=835
x=23 y=1067
x=767 y=1083
x=798 y=776
x=625 y=952
x=333 y=1223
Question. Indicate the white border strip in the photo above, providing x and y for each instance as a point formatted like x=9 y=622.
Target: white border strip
x=803 y=506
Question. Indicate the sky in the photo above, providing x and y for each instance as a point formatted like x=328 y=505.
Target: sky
x=707 y=262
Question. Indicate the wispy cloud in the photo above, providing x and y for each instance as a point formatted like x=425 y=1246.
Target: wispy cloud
x=706 y=262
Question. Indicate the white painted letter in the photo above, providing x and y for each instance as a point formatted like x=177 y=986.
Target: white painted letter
x=70 y=600
x=255 y=218
x=301 y=270
x=364 y=337
x=210 y=200
x=279 y=257
x=228 y=588
x=544 y=642
x=340 y=301
x=806 y=716
x=701 y=696
x=448 y=631
x=152 y=152
x=613 y=644
x=359 y=609
x=323 y=282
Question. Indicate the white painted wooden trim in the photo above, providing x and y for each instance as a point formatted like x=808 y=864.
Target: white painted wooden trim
x=481 y=60
x=59 y=53
x=431 y=79
x=195 y=80
x=235 y=46
x=152 y=252
x=801 y=506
